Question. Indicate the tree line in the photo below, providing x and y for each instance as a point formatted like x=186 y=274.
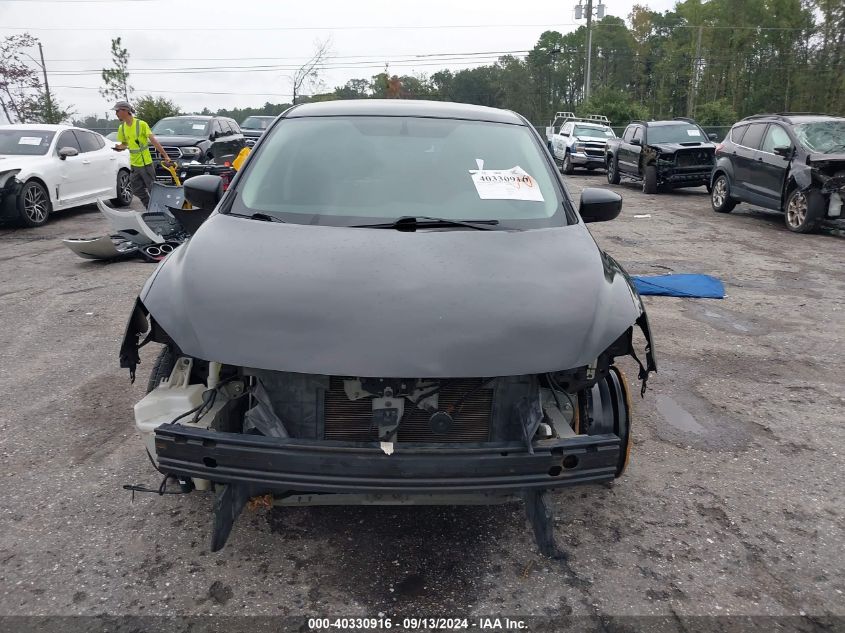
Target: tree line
x=715 y=60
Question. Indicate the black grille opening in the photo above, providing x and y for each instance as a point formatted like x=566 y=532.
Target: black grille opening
x=350 y=421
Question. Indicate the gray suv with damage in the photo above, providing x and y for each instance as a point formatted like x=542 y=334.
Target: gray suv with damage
x=432 y=324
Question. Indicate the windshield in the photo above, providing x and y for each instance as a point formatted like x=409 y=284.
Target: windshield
x=825 y=137
x=25 y=142
x=256 y=123
x=595 y=132
x=181 y=127
x=681 y=133
x=399 y=166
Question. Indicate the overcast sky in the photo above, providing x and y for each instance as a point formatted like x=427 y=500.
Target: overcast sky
x=187 y=35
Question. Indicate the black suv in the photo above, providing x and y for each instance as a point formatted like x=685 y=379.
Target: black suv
x=794 y=163
x=662 y=154
x=254 y=126
x=204 y=139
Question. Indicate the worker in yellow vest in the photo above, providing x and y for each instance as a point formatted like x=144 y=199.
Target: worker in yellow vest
x=135 y=135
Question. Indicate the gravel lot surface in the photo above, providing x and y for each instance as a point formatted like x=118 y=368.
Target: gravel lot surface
x=733 y=503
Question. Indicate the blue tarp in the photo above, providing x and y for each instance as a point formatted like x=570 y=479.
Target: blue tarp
x=696 y=286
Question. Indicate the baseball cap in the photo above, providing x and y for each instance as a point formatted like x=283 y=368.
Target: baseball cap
x=123 y=105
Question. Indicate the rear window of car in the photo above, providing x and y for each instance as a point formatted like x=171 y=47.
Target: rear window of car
x=737 y=133
x=88 y=141
x=754 y=135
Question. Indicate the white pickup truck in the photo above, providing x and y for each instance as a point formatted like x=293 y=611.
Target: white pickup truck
x=579 y=141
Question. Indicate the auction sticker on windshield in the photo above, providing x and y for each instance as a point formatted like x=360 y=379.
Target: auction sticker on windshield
x=30 y=140
x=505 y=184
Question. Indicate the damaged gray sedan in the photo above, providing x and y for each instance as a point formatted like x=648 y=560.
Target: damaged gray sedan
x=394 y=302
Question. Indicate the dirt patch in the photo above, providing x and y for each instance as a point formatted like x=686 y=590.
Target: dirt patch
x=412 y=559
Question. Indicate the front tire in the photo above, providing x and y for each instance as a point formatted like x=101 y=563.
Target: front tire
x=124 y=190
x=34 y=205
x=613 y=171
x=607 y=409
x=650 y=179
x=720 y=195
x=162 y=368
x=568 y=167
x=803 y=210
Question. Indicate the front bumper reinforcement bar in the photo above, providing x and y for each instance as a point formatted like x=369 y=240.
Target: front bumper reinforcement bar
x=251 y=465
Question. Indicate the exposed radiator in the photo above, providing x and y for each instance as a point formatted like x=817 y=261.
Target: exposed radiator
x=350 y=421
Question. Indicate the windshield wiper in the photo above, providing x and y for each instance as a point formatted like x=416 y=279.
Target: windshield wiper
x=264 y=217
x=412 y=223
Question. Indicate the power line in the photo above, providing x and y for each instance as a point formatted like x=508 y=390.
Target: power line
x=303 y=58
x=376 y=63
x=387 y=27
x=390 y=27
x=189 y=92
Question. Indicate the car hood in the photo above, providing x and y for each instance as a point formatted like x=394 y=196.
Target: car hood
x=180 y=141
x=839 y=157
x=252 y=133
x=13 y=161
x=384 y=303
x=592 y=139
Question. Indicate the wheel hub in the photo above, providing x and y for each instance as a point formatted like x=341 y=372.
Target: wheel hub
x=35 y=205
x=796 y=210
x=719 y=192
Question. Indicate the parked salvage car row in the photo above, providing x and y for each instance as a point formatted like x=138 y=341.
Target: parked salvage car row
x=48 y=168
x=792 y=162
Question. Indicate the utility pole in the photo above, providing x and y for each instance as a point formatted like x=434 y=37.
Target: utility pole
x=46 y=86
x=696 y=67
x=580 y=9
x=589 y=49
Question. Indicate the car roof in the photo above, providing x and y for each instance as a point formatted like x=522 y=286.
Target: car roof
x=591 y=124
x=792 y=117
x=205 y=117
x=404 y=107
x=49 y=127
x=667 y=123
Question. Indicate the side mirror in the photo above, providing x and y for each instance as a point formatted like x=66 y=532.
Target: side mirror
x=599 y=205
x=204 y=192
x=783 y=150
x=636 y=141
x=64 y=152
x=713 y=137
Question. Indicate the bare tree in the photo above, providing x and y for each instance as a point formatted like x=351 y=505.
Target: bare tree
x=308 y=75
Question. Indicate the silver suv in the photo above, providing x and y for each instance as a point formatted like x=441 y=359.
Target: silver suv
x=579 y=141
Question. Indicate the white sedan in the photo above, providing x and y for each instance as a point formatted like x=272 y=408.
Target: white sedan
x=46 y=168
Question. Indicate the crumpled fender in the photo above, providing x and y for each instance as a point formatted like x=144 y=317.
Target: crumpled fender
x=802 y=175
